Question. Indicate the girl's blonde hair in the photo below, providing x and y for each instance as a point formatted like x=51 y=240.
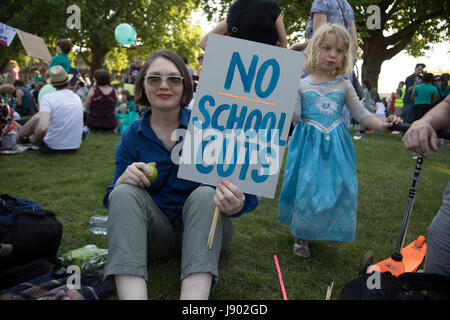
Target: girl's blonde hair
x=319 y=36
x=13 y=64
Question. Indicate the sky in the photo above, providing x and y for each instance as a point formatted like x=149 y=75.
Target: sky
x=392 y=71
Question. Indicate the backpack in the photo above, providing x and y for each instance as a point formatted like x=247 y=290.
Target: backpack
x=29 y=239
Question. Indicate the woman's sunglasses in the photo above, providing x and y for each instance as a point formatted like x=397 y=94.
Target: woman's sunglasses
x=155 y=80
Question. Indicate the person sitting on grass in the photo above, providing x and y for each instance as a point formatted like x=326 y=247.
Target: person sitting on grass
x=170 y=216
x=126 y=112
x=8 y=127
x=100 y=103
x=58 y=126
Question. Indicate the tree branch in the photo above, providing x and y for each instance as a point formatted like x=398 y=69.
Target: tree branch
x=390 y=53
x=407 y=32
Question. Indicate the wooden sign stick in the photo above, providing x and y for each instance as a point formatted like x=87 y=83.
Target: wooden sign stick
x=213 y=229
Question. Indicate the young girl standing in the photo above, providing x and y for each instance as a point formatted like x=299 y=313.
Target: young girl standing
x=320 y=191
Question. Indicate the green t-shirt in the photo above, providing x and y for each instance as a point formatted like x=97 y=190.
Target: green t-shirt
x=443 y=93
x=424 y=93
x=37 y=79
x=61 y=59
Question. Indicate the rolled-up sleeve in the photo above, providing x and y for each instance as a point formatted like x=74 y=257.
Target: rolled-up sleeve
x=319 y=6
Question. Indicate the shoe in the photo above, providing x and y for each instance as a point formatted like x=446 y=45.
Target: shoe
x=303 y=245
x=357 y=137
x=395 y=132
x=415 y=157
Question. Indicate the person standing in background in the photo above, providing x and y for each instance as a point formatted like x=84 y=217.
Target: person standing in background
x=255 y=20
x=14 y=69
x=411 y=82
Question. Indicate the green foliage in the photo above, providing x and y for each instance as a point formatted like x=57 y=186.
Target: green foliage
x=72 y=185
x=411 y=25
x=158 y=23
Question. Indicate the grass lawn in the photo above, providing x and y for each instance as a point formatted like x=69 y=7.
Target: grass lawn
x=73 y=185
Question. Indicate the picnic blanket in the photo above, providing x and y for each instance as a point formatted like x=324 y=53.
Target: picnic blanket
x=45 y=287
x=19 y=148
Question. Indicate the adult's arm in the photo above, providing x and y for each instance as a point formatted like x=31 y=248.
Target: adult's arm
x=88 y=100
x=411 y=86
x=41 y=130
x=220 y=28
x=354 y=35
x=318 y=20
x=434 y=99
x=281 y=31
x=421 y=136
x=19 y=96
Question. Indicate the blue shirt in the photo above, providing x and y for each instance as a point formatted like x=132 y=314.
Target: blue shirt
x=139 y=143
x=333 y=11
x=409 y=82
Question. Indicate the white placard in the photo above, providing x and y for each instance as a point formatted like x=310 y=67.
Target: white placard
x=242 y=114
x=34 y=46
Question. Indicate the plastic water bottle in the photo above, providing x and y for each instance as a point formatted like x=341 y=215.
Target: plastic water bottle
x=97 y=224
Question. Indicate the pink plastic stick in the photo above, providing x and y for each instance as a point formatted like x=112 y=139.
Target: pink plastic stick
x=280 y=278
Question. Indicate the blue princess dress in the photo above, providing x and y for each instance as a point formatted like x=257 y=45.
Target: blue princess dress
x=319 y=194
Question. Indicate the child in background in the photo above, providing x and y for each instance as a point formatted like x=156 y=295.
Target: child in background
x=126 y=111
x=319 y=194
x=380 y=111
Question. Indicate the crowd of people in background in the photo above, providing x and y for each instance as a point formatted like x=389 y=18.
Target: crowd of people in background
x=105 y=109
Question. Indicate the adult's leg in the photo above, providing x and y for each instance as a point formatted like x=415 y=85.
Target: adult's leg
x=438 y=244
x=199 y=265
x=408 y=113
x=136 y=228
x=29 y=127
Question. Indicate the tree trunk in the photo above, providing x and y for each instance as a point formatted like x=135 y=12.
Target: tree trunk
x=374 y=53
x=98 y=57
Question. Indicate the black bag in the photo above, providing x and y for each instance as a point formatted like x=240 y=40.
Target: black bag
x=407 y=286
x=27 y=233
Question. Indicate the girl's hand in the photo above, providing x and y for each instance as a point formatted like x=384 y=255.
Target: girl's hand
x=136 y=175
x=389 y=122
x=229 y=198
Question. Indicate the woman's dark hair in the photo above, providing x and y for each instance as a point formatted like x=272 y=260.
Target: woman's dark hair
x=427 y=77
x=19 y=83
x=127 y=94
x=65 y=45
x=140 y=98
x=368 y=84
x=102 y=77
x=445 y=77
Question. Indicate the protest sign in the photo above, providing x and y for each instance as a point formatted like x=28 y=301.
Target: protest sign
x=241 y=116
x=129 y=87
x=34 y=46
x=7 y=34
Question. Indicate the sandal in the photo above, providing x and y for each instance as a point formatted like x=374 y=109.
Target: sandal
x=301 y=245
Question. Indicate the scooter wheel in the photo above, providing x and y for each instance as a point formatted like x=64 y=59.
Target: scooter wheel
x=419 y=242
x=366 y=261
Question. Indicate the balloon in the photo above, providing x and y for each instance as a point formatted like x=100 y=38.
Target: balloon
x=125 y=33
x=48 y=88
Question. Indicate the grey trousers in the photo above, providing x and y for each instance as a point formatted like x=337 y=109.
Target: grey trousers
x=138 y=229
x=438 y=243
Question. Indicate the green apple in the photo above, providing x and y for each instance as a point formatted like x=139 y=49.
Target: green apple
x=154 y=172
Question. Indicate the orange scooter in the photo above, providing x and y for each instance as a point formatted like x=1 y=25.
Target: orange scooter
x=409 y=258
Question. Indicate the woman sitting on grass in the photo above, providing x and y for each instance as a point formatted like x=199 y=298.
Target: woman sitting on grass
x=100 y=103
x=171 y=215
